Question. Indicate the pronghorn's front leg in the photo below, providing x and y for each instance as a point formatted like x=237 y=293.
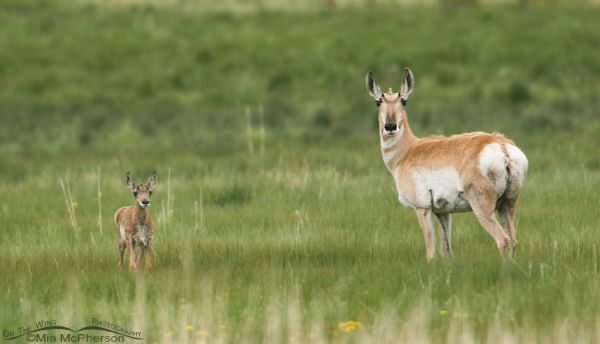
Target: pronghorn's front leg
x=132 y=258
x=424 y=216
x=445 y=234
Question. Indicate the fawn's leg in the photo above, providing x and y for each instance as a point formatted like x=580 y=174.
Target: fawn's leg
x=132 y=258
x=140 y=255
x=122 y=246
x=148 y=261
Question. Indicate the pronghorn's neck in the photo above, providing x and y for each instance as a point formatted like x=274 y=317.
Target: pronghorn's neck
x=140 y=214
x=394 y=148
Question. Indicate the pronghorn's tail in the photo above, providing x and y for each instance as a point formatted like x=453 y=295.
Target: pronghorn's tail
x=516 y=168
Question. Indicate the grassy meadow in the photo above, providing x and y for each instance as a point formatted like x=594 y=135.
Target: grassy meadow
x=276 y=220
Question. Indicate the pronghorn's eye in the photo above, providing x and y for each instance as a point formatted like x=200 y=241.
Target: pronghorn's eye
x=135 y=193
x=150 y=192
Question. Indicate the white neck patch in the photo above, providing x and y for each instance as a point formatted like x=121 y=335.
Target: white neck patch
x=391 y=145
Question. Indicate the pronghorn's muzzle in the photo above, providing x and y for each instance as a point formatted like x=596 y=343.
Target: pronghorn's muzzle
x=390 y=129
x=390 y=126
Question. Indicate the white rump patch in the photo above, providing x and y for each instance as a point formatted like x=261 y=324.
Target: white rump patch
x=492 y=165
x=518 y=171
x=440 y=190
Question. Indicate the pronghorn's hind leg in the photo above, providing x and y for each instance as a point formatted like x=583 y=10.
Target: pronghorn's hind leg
x=483 y=202
x=424 y=216
x=445 y=234
x=507 y=210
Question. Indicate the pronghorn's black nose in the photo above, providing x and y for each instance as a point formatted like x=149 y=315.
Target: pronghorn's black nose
x=145 y=202
x=390 y=126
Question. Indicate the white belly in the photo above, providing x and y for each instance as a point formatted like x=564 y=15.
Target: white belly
x=440 y=190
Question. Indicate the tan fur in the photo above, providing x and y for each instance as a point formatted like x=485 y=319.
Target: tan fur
x=405 y=154
x=134 y=226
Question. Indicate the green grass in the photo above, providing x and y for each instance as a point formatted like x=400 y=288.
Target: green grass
x=303 y=230
x=280 y=230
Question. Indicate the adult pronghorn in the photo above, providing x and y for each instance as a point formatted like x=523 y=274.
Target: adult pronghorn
x=477 y=171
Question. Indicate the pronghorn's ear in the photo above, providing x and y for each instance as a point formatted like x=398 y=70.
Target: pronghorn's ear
x=407 y=85
x=130 y=183
x=152 y=180
x=373 y=88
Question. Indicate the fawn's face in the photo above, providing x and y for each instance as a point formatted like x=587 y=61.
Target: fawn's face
x=142 y=192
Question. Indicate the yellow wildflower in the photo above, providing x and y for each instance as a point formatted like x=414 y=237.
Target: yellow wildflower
x=443 y=312
x=189 y=328
x=349 y=326
x=74 y=204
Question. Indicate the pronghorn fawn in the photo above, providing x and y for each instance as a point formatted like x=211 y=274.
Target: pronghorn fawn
x=439 y=175
x=134 y=225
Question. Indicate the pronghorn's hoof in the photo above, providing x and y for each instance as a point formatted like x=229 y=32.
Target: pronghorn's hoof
x=446 y=254
x=507 y=250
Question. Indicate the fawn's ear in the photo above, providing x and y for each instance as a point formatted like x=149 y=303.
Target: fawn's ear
x=152 y=180
x=130 y=183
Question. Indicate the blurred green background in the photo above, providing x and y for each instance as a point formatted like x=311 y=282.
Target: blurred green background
x=273 y=201
x=93 y=76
